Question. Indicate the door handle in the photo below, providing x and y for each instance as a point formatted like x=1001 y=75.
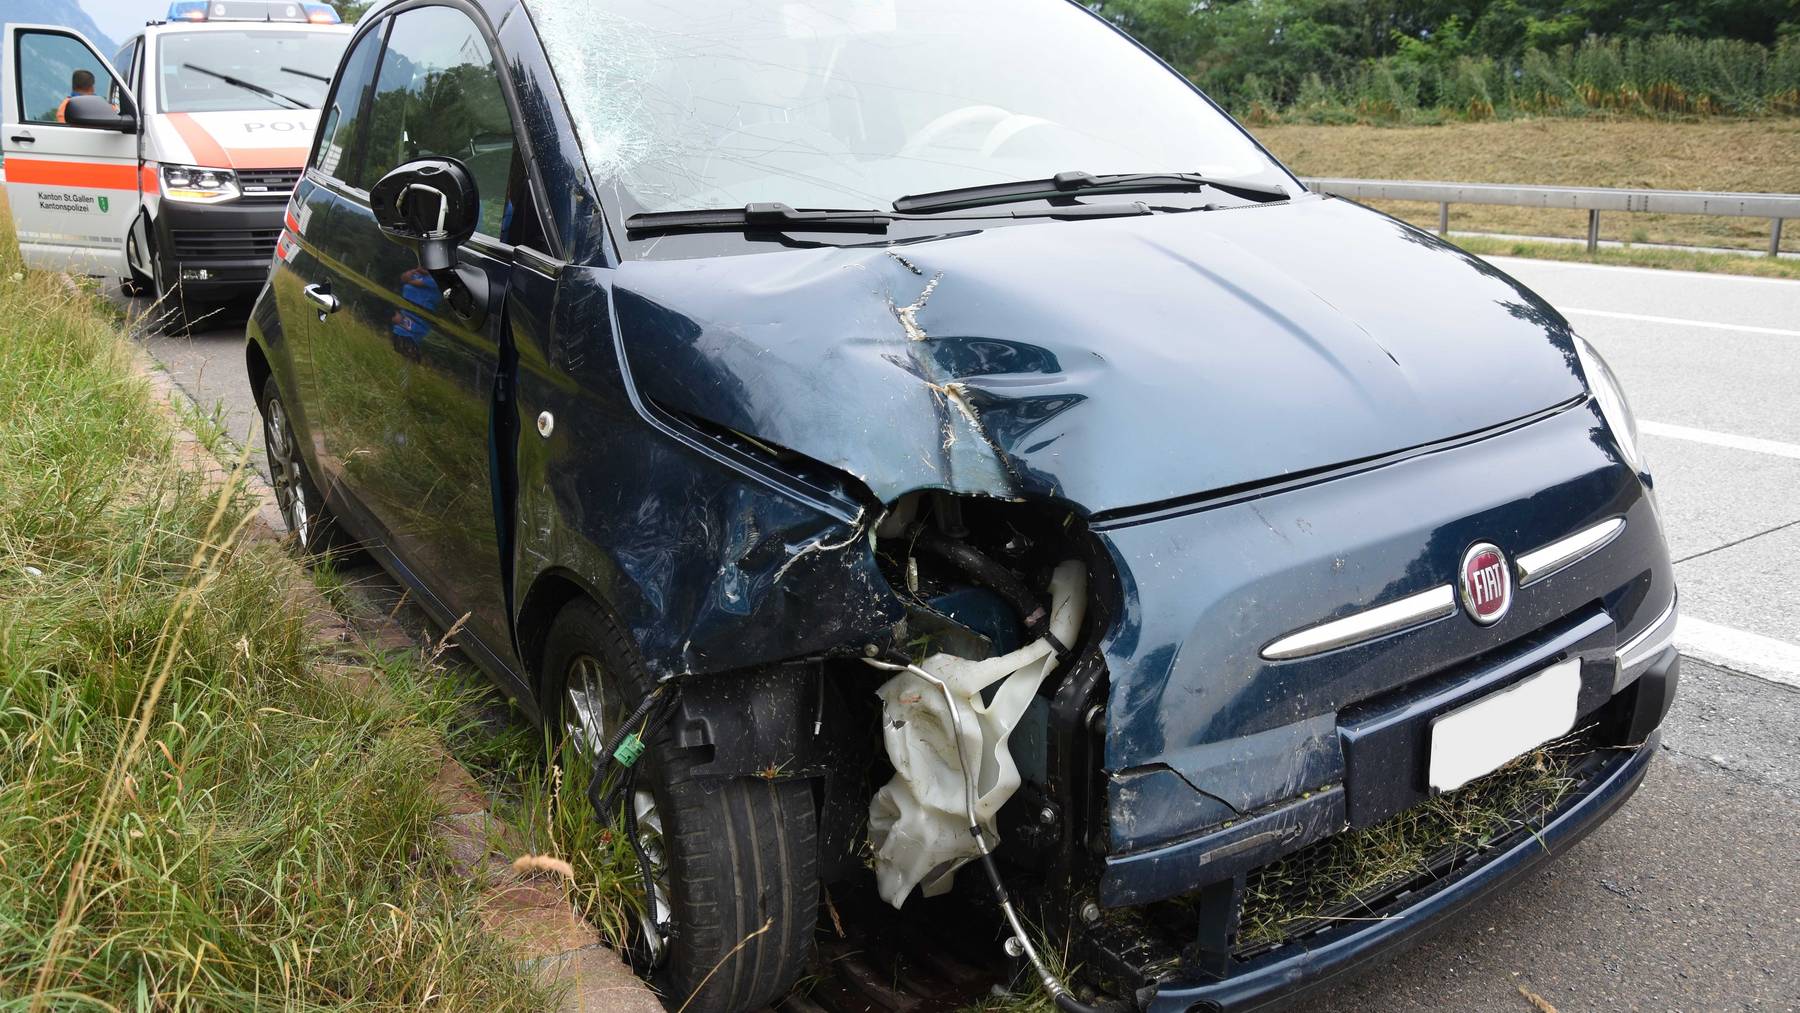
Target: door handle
x=320 y=296
x=22 y=139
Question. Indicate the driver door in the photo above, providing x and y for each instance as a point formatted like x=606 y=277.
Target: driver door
x=73 y=190
x=408 y=384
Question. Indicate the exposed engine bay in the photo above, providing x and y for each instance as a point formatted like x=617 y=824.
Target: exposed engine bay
x=990 y=618
x=916 y=820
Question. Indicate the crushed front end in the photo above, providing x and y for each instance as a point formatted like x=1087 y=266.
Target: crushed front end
x=1266 y=720
x=1286 y=516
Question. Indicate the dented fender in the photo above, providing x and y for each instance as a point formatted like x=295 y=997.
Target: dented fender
x=708 y=559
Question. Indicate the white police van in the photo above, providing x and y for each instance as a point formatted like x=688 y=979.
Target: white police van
x=170 y=165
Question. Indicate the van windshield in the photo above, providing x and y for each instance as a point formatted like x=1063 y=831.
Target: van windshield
x=684 y=104
x=216 y=70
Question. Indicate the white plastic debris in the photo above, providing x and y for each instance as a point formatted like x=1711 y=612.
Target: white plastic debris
x=918 y=821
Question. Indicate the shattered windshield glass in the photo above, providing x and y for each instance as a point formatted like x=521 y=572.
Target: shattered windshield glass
x=684 y=104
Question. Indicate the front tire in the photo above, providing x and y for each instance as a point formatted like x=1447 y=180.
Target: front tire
x=738 y=860
x=172 y=313
x=135 y=283
x=302 y=505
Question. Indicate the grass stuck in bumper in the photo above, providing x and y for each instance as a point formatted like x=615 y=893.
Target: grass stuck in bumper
x=192 y=812
x=1346 y=876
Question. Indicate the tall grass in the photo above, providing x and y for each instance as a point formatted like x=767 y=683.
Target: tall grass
x=191 y=814
x=1661 y=76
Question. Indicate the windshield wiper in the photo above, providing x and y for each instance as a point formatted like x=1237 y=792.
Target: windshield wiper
x=257 y=89
x=782 y=218
x=297 y=72
x=753 y=216
x=1067 y=183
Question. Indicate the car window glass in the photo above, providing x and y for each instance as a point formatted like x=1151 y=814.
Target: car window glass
x=683 y=104
x=127 y=61
x=51 y=69
x=241 y=70
x=343 y=112
x=438 y=93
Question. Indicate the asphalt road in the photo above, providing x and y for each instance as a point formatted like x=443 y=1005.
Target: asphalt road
x=1688 y=899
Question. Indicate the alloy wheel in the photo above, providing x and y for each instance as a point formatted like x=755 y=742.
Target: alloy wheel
x=589 y=709
x=285 y=471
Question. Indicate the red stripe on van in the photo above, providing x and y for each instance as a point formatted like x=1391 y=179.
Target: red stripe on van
x=208 y=152
x=90 y=175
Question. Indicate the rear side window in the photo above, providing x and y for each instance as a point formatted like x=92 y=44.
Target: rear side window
x=335 y=156
x=126 y=60
x=438 y=93
x=51 y=68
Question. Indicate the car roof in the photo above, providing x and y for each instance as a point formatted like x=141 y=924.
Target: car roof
x=154 y=28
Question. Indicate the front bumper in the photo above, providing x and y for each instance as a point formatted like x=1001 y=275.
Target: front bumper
x=217 y=251
x=1274 y=975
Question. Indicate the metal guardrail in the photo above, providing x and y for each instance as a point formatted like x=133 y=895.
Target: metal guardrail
x=1774 y=206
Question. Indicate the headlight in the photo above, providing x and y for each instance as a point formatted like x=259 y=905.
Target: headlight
x=1606 y=390
x=195 y=185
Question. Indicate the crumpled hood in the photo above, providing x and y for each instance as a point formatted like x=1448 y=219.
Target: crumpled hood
x=1111 y=363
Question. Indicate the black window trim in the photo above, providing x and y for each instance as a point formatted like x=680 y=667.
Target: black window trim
x=381 y=26
x=18 y=64
x=521 y=142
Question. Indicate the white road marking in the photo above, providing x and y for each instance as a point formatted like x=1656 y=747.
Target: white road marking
x=1683 y=322
x=1732 y=440
x=1739 y=650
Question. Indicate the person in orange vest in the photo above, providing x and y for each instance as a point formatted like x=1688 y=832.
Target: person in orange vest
x=80 y=83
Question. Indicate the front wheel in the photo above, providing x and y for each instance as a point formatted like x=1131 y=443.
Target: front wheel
x=302 y=505
x=136 y=282
x=173 y=313
x=734 y=866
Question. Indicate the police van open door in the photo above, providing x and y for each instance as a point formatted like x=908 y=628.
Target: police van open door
x=73 y=190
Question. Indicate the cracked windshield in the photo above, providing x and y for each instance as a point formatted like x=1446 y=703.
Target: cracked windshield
x=685 y=104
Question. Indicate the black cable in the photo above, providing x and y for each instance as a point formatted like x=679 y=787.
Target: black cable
x=598 y=796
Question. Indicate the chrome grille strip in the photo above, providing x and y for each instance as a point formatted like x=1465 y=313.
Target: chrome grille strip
x=1540 y=563
x=1436 y=603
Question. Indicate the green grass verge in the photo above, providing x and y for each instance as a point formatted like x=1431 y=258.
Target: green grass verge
x=1634 y=256
x=191 y=814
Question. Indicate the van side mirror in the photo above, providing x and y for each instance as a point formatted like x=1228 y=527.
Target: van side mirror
x=94 y=111
x=431 y=206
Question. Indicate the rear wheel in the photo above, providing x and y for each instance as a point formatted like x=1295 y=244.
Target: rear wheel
x=734 y=866
x=302 y=505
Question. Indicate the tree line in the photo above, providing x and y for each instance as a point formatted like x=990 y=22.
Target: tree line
x=1386 y=60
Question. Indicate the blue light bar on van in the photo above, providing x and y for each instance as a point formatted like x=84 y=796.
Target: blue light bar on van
x=253 y=10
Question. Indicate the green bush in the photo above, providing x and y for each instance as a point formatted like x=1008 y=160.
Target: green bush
x=1663 y=75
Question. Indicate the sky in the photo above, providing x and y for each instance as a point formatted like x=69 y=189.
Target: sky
x=118 y=18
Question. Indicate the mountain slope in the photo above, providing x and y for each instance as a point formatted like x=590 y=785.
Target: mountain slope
x=60 y=12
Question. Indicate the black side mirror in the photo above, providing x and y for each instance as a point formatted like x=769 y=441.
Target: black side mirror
x=431 y=205
x=94 y=111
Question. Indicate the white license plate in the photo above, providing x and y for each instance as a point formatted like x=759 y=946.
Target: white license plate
x=1478 y=738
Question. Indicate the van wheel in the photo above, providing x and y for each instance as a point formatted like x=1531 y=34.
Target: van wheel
x=302 y=505
x=734 y=866
x=135 y=282
x=172 y=313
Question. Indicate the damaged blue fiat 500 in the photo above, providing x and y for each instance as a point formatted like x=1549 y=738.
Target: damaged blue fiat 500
x=888 y=435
